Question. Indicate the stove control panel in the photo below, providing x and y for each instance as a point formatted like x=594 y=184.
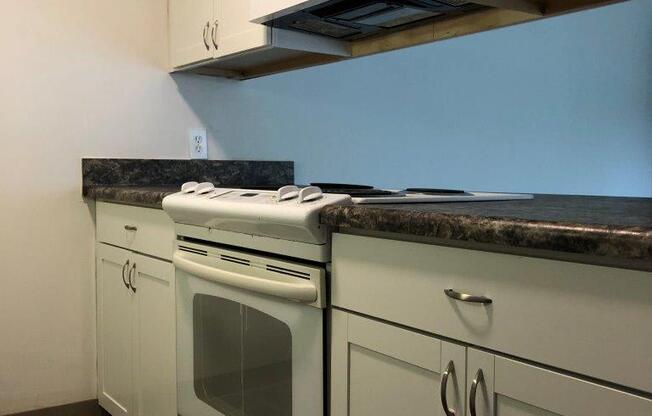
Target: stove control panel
x=284 y=195
x=289 y=213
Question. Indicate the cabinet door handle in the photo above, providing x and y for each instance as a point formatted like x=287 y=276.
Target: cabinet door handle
x=479 y=378
x=132 y=277
x=131 y=228
x=451 y=293
x=450 y=369
x=205 y=34
x=214 y=34
x=124 y=277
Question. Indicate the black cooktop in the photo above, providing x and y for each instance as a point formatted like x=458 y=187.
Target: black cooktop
x=366 y=191
x=353 y=190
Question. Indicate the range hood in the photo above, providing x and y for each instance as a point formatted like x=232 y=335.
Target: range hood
x=352 y=19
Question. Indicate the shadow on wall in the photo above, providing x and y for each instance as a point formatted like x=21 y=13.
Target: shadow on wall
x=521 y=109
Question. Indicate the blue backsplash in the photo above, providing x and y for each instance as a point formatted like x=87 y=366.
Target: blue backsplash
x=562 y=105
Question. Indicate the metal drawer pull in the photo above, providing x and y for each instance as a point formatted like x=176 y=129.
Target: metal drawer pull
x=206 y=27
x=467 y=298
x=479 y=378
x=131 y=228
x=450 y=369
x=214 y=34
x=131 y=280
x=124 y=278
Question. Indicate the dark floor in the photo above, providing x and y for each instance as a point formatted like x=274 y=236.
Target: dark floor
x=89 y=408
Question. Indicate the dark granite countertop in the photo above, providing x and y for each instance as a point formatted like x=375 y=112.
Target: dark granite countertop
x=600 y=230
x=142 y=196
x=145 y=182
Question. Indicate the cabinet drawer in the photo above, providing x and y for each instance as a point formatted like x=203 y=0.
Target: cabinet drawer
x=588 y=319
x=145 y=230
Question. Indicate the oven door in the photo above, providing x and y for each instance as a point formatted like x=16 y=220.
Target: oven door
x=243 y=347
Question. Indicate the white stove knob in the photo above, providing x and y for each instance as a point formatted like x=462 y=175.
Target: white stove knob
x=189 y=187
x=310 y=193
x=204 y=188
x=287 y=192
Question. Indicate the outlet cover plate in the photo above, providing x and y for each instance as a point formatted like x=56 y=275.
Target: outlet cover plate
x=198 y=145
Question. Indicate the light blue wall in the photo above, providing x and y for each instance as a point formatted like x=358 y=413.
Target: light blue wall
x=562 y=105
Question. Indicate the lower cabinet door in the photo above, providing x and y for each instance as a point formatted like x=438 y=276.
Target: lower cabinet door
x=505 y=387
x=114 y=331
x=155 y=365
x=378 y=369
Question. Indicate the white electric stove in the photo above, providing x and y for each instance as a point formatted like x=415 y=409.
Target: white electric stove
x=286 y=220
x=251 y=271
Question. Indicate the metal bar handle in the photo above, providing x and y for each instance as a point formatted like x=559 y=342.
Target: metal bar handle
x=450 y=369
x=451 y=293
x=206 y=27
x=303 y=291
x=131 y=228
x=124 y=278
x=479 y=378
x=132 y=280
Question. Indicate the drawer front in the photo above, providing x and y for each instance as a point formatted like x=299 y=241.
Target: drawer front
x=145 y=230
x=588 y=319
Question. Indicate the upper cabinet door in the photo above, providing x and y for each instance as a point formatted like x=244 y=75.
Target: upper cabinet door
x=235 y=33
x=190 y=24
x=378 y=369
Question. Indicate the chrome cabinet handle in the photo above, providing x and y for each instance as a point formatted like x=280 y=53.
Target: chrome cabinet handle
x=124 y=278
x=131 y=228
x=467 y=298
x=132 y=277
x=479 y=378
x=450 y=369
x=214 y=34
x=206 y=27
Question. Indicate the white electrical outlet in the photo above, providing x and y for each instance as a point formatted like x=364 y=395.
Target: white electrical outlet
x=198 y=144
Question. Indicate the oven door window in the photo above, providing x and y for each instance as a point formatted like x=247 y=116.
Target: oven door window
x=242 y=359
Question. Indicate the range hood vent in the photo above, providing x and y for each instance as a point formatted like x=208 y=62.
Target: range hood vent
x=355 y=19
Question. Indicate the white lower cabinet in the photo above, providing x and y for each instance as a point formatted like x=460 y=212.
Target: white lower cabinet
x=582 y=318
x=378 y=369
x=136 y=333
x=506 y=387
x=115 y=342
x=155 y=337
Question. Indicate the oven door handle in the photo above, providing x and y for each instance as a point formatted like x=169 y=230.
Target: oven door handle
x=302 y=291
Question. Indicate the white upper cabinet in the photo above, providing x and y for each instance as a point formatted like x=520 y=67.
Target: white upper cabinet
x=234 y=31
x=219 y=34
x=190 y=25
x=264 y=10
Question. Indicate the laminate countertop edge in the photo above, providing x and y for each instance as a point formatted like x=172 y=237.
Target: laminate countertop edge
x=140 y=196
x=615 y=245
x=611 y=245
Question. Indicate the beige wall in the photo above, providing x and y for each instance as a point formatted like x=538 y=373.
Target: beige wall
x=77 y=78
